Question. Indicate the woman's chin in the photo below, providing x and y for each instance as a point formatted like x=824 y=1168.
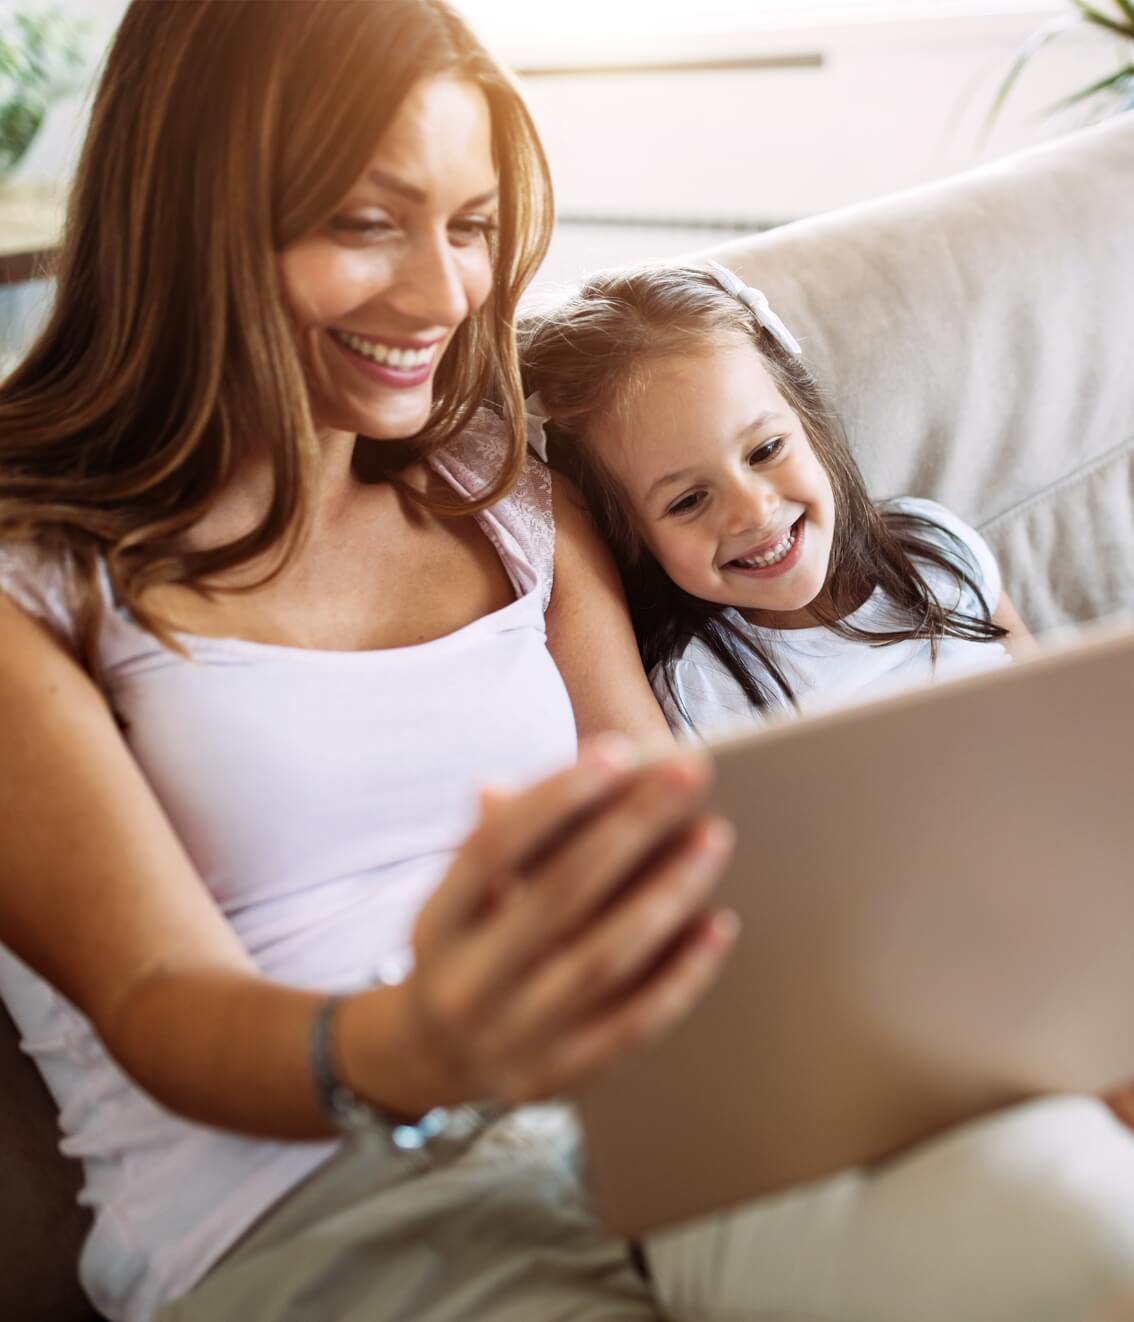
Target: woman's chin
x=395 y=420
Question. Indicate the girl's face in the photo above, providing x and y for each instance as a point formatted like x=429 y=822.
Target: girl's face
x=380 y=290
x=724 y=486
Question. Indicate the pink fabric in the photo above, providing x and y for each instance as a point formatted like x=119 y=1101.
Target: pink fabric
x=320 y=795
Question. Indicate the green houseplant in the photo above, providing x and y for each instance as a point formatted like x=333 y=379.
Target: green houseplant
x=42 y=57
x=1111 y=93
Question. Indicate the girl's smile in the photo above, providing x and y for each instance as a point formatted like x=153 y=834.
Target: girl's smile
x=778 y=555
x=723 y=483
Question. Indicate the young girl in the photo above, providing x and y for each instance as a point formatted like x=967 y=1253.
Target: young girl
x=760 y=573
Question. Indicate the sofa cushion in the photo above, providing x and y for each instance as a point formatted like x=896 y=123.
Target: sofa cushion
x=1040 y=543
x=976 y=338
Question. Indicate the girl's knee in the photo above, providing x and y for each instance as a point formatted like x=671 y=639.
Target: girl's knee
x=1022 y=1216
x=1026 y=1213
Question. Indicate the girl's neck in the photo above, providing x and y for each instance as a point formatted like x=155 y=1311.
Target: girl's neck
x=818 y=614
x=781 y=620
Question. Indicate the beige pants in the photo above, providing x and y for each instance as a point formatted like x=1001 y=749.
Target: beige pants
x=1025 y=1216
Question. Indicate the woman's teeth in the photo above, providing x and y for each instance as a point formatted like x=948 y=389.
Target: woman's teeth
x=384 y=354
x=772 y=557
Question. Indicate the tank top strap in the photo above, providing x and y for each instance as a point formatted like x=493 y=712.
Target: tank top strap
x=521 y=524
x=42 y=583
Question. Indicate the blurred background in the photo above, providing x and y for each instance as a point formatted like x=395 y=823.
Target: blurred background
x=669 y=123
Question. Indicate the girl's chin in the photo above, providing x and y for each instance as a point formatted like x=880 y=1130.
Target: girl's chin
x=789 y=608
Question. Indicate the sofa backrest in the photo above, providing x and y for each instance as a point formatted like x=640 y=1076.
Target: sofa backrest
x=977 y=337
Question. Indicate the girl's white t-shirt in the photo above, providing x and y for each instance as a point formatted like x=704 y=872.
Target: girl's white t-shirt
x=825 y=670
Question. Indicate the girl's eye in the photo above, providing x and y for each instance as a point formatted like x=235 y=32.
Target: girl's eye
x=470 y=228
x=687 y=503
x=767 y=451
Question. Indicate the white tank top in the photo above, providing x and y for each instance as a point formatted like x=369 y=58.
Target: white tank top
x=320 y=796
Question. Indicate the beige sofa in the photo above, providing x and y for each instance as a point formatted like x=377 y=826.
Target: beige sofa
x=978 y=337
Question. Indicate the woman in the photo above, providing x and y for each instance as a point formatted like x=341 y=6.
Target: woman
x=279 y=597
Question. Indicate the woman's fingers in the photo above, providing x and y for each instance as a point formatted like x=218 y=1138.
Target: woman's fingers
x=517 y=825
x=633 y=1022
x=560 y=894
x=620 y=947
x=565 y=897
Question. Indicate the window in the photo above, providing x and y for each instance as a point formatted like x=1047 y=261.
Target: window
x=523 y=31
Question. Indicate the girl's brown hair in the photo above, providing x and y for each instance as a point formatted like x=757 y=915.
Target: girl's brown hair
x=222 y=131
x=585 y=358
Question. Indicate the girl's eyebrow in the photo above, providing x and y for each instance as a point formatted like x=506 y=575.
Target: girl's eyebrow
x=760 y=421
x=414 y=194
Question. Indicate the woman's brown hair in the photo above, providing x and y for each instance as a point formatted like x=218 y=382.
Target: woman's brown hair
x=584 y=357
x=222 y=131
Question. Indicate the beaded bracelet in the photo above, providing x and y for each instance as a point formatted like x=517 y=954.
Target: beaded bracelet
x=342 y=1105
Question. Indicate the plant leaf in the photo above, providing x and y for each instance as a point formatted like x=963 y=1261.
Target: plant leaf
x=1107 y=84
x=1096 y=16
x=1024 y=56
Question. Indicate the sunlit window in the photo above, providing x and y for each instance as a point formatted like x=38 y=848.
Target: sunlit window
x=527 y=23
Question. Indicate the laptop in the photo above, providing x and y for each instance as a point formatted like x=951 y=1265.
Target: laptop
x=936 y=892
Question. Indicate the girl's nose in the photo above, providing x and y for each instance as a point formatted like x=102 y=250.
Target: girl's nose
x=430 y=289
x=752 y=505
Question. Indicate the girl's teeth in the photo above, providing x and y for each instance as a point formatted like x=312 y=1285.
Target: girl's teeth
x=405 y=359
x=776 y=554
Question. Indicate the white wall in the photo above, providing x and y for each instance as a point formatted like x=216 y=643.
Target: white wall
x=898 y=99
x=891 y=106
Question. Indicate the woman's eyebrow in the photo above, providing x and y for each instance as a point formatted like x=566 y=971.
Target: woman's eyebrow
x=414 y=194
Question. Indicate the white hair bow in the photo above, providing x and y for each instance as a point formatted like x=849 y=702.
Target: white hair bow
x=756 y=301
x=537 y=416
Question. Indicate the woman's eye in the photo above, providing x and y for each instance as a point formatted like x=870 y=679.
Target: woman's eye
x=470 y=228
x=767 y=451
x=366 y=226
x=686 y=503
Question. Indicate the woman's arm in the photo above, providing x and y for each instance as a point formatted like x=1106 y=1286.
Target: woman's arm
x=97 y=895
x=507 y=1000
x=589 y=632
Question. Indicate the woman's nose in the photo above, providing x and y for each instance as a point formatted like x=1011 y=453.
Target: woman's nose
x=430 y=289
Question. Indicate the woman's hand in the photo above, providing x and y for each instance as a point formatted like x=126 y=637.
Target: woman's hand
x=572 y=927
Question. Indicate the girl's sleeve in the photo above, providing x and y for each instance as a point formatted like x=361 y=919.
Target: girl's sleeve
x=706 y=699
x=978 y=557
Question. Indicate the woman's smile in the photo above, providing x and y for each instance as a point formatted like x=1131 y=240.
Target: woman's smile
x=408 y=251
x=397 y=364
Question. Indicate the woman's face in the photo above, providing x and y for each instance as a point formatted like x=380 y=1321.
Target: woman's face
x=380 y=290
x=723 y=483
